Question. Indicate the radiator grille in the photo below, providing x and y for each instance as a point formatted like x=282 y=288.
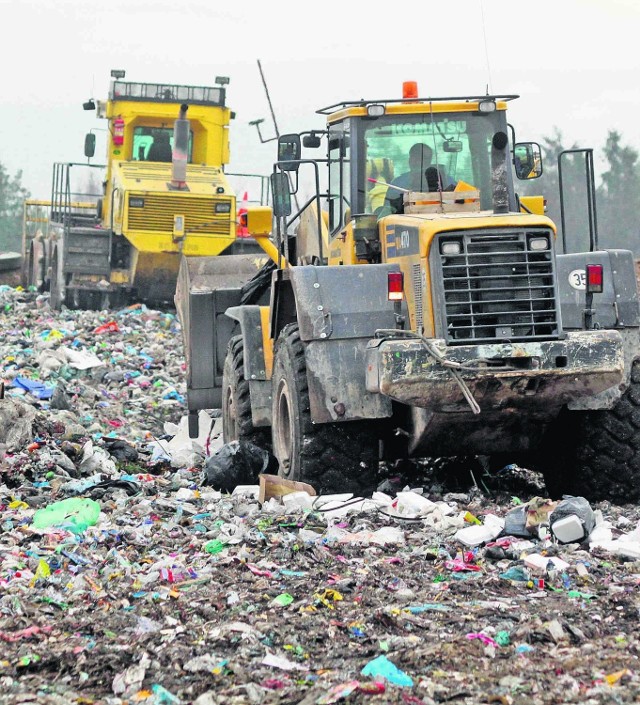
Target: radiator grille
x=416 y=277
x=157 y=211
x=498 y=287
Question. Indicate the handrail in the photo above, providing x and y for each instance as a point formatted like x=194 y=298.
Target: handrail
x=278 y=166
x=592 y=212
x=457 y=99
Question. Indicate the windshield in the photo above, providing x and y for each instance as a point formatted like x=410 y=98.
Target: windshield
x=426 y=153
x=154 y=144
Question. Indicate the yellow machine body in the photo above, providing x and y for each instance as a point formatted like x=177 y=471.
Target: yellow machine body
x=142 y=203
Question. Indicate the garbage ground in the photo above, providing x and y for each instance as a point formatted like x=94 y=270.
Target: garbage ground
x=126 y=578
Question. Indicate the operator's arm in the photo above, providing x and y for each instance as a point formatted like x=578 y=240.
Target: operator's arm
x=394 y=197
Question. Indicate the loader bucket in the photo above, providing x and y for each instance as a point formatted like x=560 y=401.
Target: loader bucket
x=206 y=288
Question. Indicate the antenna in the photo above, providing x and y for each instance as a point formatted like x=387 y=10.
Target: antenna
x=486 y=49
x=259 y=121
x=266 y=90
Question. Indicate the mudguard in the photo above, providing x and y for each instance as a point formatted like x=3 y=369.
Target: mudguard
x=339 y=310
x=616 y=307
x=249 y=320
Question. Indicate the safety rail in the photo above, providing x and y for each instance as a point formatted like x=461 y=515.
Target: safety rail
x=65 y=208
x=265 y=184
x=167 y=93
x=282 y=211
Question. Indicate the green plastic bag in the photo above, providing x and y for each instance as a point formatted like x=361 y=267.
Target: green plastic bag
x=74 y=514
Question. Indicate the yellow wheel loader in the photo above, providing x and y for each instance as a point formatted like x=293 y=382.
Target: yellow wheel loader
x=430 y=312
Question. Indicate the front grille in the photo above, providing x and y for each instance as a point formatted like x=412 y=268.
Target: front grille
x=154 y=212
x=497 y=288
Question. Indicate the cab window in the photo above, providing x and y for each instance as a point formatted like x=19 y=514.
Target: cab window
x=339 y=179
x=457 y=148
x=154 y=144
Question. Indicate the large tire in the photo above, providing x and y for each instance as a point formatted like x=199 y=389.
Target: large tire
x=237 y=424
x=334 y=457
x=597 y=453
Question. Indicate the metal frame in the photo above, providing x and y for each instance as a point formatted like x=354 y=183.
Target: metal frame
x=591 y=197
x=265 y=185
x=281 y=219
x=172 y=87
x=61 y=193
x=386 y=101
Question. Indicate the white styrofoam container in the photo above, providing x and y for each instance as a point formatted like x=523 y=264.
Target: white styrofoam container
x=569 y=529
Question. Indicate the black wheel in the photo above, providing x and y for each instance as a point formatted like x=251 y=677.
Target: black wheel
x=335 y=457
x=237 y=424
x=597 y=453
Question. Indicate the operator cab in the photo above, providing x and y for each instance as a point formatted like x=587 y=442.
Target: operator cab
x=370 y=148
x=142 y=117
x=155 y=144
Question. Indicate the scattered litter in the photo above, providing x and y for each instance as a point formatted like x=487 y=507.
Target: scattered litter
x=74 y=515
x=382 y=668
x=237 y=463
x=124 y=577
x=572 y=520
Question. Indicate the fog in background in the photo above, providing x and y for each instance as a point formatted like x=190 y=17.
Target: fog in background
x=575 y=65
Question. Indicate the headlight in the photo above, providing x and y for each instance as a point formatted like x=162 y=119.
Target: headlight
x=451 y=247
x=375 y=110
x=487 y=106
x=538 y=243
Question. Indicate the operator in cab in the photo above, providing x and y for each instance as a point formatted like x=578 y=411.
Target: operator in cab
x=423 y=176
x=160 y=150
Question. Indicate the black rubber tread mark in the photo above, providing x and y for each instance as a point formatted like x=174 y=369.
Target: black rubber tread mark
x=233 y=374
x=603 y=460
x=336 y=457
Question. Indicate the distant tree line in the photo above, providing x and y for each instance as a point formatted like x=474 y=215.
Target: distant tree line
x=617 y=192
x=12 y=195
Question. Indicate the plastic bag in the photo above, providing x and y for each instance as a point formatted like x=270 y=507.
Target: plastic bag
x=237 y=463
x=74 y=514
x=381 y=667
x=259 y=283
x=516 y=522
x=577 y=507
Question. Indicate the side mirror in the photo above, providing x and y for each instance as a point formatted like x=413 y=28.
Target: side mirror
x=311 y=141
x=527 y=160
x=289 y=151
x=89 y=105
x=281 y=194
x=89 y=145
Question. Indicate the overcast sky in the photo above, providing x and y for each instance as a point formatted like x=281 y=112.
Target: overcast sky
x=575 y=64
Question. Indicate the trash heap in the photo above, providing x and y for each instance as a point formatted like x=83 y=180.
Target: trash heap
x=128 y=574
x=93 y=373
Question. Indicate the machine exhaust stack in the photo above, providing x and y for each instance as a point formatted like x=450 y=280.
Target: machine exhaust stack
x=180 y=150
x=499 y=173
